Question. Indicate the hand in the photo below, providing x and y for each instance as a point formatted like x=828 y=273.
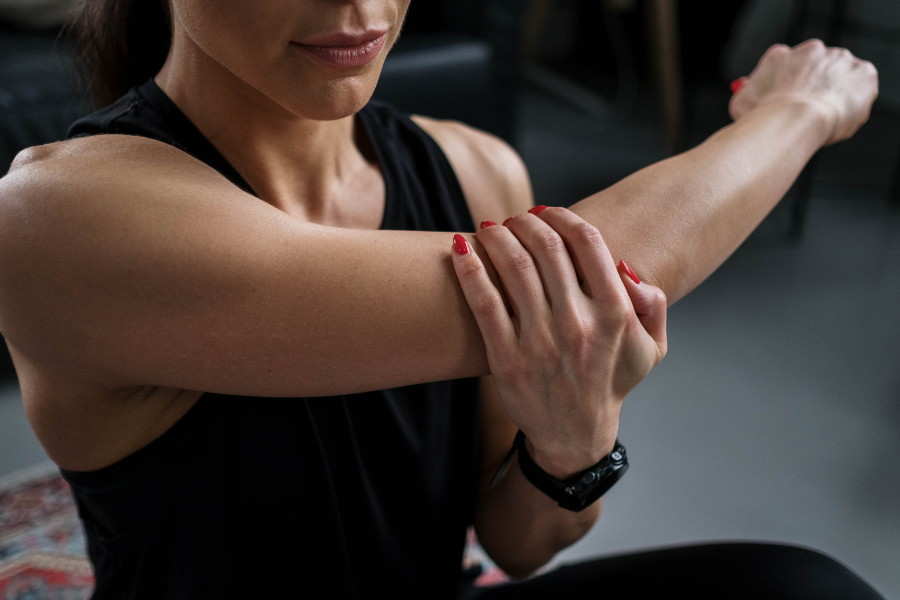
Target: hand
x=840 y=85
x=580 y=336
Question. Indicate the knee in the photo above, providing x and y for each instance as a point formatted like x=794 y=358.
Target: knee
x=798 y=572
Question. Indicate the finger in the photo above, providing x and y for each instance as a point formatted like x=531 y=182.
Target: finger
x=482 y=296
x=590 y=256
x=551 y=256
x=649 y=304
x=517 y=271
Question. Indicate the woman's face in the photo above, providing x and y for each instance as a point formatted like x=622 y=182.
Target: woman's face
x=319 y=59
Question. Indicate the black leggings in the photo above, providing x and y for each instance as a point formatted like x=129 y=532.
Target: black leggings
x=721 y=571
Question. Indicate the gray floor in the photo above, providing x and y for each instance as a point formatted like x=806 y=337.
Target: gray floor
x=776 y=415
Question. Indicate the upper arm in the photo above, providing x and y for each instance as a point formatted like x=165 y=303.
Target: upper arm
x=126 y=261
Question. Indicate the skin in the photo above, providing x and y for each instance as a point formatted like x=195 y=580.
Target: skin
x=133 y=278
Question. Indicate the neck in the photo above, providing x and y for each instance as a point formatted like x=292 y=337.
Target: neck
x=299 y=165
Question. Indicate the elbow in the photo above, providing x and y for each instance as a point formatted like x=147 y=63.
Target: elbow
x=521 y=569
x=520 y=558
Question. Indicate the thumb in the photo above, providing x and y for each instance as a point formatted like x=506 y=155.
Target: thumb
x=649 y=303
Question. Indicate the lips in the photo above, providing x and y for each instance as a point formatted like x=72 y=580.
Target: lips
x=344 y=50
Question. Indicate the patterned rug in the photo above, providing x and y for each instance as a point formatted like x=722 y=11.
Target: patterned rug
x=42 y=551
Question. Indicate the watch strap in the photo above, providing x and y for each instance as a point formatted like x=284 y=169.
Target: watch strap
x=581 y=489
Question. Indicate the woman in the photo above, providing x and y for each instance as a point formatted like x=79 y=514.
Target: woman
x=236 y=329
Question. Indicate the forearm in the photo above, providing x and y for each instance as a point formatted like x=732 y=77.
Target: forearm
x=521 y=528
x=676 y=221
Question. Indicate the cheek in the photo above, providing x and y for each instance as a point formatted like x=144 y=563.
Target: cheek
x=240 y=34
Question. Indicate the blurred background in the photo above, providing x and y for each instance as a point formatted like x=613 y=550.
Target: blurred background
x=776 y=415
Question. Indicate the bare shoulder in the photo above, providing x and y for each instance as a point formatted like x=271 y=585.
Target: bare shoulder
x=491 y=173
x=84 y=172
x=64 y=207
x=84 y=159
x=89 y=181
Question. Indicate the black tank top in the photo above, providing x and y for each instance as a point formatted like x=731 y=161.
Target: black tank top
x=342 y=497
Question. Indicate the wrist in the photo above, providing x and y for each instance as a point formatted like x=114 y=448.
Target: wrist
x=814 y=115
x=564 y=463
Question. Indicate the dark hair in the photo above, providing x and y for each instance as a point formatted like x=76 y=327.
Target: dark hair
x=119 y=44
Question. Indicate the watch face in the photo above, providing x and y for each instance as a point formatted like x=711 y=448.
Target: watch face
x=582 y=489
x=578 y=502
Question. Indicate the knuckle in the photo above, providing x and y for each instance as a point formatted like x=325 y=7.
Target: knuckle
x=580 y=332
x=471 y=269
x=556 y=210
x=811 y=48
x=839 y=55
x=487 y=305
x=519 y=261
x=548 y=241
x=775 y=50
x=616 y=311
x=585 y=233
x=659 y=298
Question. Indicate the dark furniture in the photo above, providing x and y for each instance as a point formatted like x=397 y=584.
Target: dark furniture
x=831 y=23
x=459 y=59
x=38 y=100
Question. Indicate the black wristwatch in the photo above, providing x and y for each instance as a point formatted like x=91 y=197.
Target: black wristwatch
x=578 y=491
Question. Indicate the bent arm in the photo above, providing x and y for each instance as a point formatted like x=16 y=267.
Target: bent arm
x=125 y=261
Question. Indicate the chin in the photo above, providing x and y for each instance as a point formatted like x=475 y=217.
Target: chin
x=336 y=101
x=321 y=97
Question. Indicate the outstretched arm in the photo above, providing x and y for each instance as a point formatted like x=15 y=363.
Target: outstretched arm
x=676 y=221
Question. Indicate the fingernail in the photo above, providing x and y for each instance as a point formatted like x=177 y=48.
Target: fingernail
x=628 y=271
x=507 y=221
x=487 y=224
x=737 y=84
x=537 y=209
x=459 y=242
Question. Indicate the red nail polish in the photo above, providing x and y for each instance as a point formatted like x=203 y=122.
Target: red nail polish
x=459 y=242
x=737 y=84
x=537 y=209
x=487 y=224
x=628 y=271
x=507 y=221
